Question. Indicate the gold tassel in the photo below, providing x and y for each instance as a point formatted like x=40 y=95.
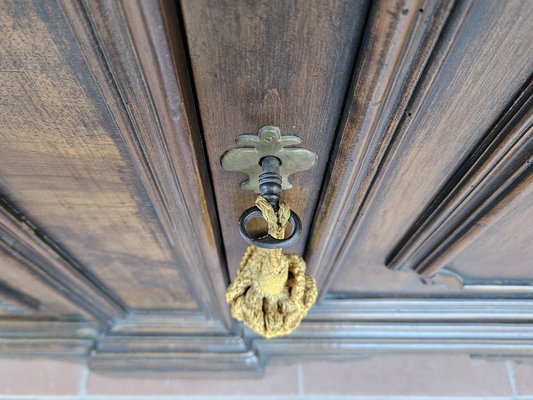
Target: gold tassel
x=271 y=293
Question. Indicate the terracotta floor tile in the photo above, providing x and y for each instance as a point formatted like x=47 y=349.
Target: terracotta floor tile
x=277 y=380
x=408 y=375
x=39 y=377
x=523 y=373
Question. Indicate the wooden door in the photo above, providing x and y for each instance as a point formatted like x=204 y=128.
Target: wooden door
x=118 y=226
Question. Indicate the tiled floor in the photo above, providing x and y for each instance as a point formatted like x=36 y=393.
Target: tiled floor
x=419 y=377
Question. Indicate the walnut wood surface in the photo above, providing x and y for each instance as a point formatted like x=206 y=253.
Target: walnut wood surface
x=15 y=302
x=496 y=172
x=142 y=47
x=480 y=63
x=500 y=250
x=116 y=220
x=270 y=63
x=51 y=266
x=399 y=39
x=19 y=277
x=63 y=161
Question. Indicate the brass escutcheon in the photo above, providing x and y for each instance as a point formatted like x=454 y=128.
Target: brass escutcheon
x=268 y=142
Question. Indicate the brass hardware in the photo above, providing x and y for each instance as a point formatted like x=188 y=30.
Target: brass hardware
x=270 y=188
x=268 y=162
x=271 y=292
x=268 y=142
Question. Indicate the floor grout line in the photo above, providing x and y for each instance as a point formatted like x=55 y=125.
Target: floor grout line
x=512 y=379
x=84 y=376
x=300 y=380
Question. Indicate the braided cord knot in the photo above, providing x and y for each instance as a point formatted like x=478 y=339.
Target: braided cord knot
x=271 y=293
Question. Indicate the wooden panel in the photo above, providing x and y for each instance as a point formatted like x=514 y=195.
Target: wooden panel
x=270 y=63
x=496 y=173
x=399 y=39
x=41 y=298
x=503 y=251
x=151 y=99
x=481 y=62
x=103 y=154
x=15 y=302
x=32 y=252
x=63 y=161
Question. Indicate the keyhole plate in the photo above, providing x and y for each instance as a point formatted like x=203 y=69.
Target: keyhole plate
x=268 y=142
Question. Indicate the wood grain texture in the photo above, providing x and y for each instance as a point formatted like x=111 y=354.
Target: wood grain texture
x=143 y=49
x=124 y=343
x=64 y=164
x=51 y=304
x=497 y=171
x=15 y=302
x=102 y=151
x=26 y=244
x=501 y=252
x=480 y=63
x=168 y=323
x=339 y=329
x=398 y=42
x=270 y=63
x=46 y=338
x=10 y=307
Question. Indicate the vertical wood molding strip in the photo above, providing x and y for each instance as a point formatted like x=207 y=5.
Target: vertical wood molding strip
x=135 y=46
x=396 y=51
x=498 y=170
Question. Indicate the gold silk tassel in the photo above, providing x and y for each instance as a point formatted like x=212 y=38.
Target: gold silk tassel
x=271 y=293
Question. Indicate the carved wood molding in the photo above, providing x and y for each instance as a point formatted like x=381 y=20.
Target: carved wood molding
x=46 y=338
x=138 y=47
x=170 y=341
x=420 y=310
x=488 y=342
x=335 y=329
x=375 y=129
x=338 y=329
x=395 y=53
x=19 y=301
x=46 y=260
x=184 y=361
x=496 y=172
x=454 y=280
x=157 y=343
x=161 y=322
